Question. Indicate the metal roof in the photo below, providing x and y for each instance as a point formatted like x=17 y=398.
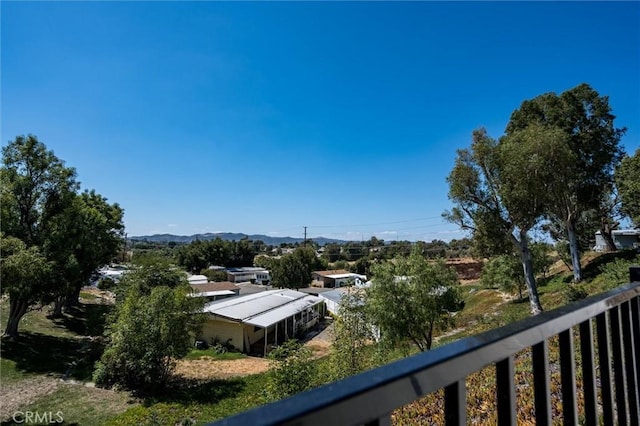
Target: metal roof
x=214 y=293
x=350 y=275
x=272 y=305
x=334 y=295
x=290 y=309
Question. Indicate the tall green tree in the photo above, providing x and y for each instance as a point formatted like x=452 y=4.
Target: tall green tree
x=627 y=179
x=585 y=117
x=502 y=191
x=37 y=192
x=87 y=236
x=411 y=298
x=294 y=270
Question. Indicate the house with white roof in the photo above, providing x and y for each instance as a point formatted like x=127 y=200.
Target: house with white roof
x=253 y=321
x=337 y=278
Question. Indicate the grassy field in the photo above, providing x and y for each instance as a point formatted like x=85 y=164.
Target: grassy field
x=53 y=360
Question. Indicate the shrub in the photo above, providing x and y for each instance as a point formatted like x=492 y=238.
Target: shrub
x=148 y=332
x=574 y=292
x=293 y=370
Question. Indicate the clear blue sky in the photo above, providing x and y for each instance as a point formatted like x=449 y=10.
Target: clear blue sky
x=265 y=117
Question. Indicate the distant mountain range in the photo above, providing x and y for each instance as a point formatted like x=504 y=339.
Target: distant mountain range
x=230 y=236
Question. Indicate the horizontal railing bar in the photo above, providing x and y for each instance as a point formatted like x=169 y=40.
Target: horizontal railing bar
x=372 y=394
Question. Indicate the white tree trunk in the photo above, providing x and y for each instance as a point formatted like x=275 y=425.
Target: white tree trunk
x=574 y=251
x=527 y=266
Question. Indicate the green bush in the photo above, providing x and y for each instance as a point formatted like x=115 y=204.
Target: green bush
x=293 y=370
x=575 y=292
x=106 y=283
x=148 y=332
x=616 y=273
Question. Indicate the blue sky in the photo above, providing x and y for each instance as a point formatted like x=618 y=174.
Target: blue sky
x=266 y=117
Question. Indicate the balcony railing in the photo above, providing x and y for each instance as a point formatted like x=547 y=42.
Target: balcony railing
x=611 y=397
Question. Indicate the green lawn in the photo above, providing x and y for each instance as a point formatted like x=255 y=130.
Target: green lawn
x=83 y=405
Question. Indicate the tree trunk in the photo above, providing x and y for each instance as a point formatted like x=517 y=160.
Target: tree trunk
x=574 y=251
x=17 y=309
x=606 y=231
x=527 y=267
x=57 y=307
x=72 y=299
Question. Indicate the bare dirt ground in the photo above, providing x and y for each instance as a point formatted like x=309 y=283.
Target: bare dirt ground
x=320 y=344
x=468 y=269
x=19 y=394
x=208 y=368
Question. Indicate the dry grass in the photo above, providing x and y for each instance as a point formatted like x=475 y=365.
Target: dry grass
x=208 y=368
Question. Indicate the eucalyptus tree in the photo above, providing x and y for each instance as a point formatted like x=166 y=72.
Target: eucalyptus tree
x=585 y=117
x=627 y=178
x=501 y=190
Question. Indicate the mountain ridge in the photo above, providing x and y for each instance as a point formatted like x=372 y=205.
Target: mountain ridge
x=229 y=236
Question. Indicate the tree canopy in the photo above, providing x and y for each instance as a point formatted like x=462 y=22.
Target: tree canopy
x=501 y=191
x=294 y=270
x=628 y=182
x=411 y=297
x=585 y=181
x=152 y=327
x=40 y=206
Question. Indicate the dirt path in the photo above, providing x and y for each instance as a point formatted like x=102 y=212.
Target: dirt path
x=24 y=392
x=320 y=344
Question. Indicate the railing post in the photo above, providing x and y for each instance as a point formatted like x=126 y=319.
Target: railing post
x=506 y=392
x=568 y=378
x=542 y=398
x=630 y=363
x=604 y=361
x=455 y=404
x=618 y=366
x=588 y=374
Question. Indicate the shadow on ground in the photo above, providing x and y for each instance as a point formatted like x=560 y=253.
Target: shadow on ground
x=191 y=391
x=68 y=357
x=85 y=319
x=43 y=354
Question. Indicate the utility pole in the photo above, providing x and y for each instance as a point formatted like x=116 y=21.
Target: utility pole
x=305 y=236
x=124 y=249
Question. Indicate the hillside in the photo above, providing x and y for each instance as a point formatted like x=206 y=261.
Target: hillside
x=230 y=236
